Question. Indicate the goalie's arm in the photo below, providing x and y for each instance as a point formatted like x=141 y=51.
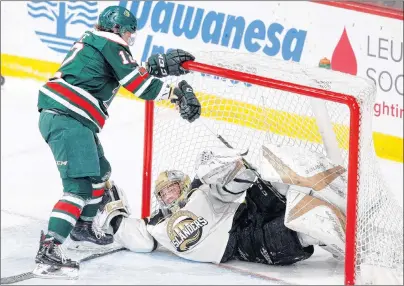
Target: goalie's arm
x=133 y=235
x=225 y=173
x=114 y=219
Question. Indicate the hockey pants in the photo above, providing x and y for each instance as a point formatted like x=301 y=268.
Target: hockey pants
x=259 y=235
x=82 y=166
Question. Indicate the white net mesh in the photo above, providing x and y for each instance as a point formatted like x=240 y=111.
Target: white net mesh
x=249 y=115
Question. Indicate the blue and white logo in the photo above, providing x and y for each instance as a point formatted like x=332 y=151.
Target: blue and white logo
x=60 y=23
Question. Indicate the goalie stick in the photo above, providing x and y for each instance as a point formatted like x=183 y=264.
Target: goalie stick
x=30 y=275
x=248 y=165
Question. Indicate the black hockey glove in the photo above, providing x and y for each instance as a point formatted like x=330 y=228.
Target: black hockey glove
x=162 y=65
x=184 y=97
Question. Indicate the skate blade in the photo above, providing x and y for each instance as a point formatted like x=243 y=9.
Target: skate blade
x=55 y=272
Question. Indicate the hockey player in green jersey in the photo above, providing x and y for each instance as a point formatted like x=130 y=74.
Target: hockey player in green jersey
x=73 y=108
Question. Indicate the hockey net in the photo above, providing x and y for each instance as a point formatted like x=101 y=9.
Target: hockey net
x=252 y=100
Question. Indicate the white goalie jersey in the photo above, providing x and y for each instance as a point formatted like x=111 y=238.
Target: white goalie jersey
x=203 y=219
x=199 y=230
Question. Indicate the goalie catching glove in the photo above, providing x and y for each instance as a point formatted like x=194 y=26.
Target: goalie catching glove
x=224 y=167
x=184 y=97
x=161 y=65
x=114 y=203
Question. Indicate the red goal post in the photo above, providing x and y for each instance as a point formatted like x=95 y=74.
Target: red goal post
x=352 y=160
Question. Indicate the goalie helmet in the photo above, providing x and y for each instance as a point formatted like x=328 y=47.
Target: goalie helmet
x=170 y=188
x=118 y=20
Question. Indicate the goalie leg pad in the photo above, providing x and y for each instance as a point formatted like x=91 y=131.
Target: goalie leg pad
x=293 y=166
x=317 y=219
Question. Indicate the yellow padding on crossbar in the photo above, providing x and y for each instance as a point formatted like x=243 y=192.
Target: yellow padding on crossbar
x=245 y=114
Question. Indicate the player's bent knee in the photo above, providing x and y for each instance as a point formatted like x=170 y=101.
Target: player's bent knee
x=81 y=187
x=105 y=172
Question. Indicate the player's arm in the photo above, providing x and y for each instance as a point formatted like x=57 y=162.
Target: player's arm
x=133 y=77
x=139 y=81
x=114 y=219
x=225 y=173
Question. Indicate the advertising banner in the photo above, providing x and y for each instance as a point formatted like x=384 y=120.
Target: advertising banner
x=360 y=44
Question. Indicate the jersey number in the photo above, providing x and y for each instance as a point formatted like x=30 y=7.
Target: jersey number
x=77 y=47
x=126 y=58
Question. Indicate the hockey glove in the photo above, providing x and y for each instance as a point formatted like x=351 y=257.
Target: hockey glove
x=162 y=65
x=114 y=203
x=184 y=97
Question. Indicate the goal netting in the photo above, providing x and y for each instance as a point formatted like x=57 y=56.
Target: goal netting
x=253 y=100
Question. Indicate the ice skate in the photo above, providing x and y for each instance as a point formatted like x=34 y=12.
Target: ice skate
x=85 y=237
x=52 y=262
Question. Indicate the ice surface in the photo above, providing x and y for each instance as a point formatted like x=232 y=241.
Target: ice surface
x=30 y=186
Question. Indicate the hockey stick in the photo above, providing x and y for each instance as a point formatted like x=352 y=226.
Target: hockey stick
x=248 y=165
x=29 y=275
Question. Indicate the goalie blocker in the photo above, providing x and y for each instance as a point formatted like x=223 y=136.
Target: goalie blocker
x=217 y=227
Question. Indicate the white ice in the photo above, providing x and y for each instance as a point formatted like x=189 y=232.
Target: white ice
x=30 y=186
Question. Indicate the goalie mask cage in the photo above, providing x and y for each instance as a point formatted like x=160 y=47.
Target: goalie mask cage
x=250 y=100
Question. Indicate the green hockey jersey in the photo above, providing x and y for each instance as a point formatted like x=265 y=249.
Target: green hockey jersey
x=90 y=76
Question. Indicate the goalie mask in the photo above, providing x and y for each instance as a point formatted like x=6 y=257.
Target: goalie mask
x=170 y=187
